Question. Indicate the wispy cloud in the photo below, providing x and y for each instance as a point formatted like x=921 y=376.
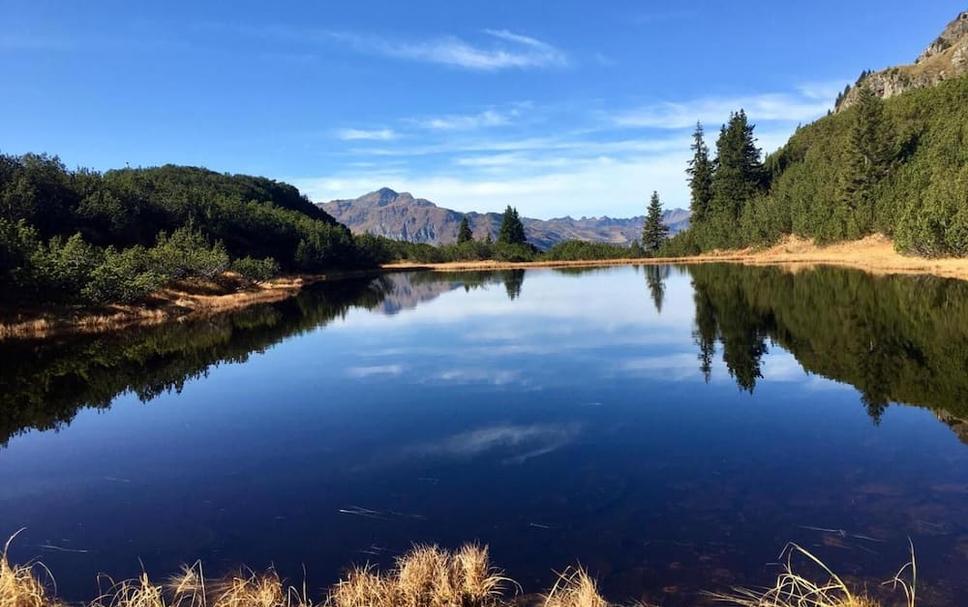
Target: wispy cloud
x=453 y=122
x=785 y=107
x=503 y=50
x=366 y=135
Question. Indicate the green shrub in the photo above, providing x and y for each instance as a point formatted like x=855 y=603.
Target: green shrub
x=256 y=269
x=187 y=253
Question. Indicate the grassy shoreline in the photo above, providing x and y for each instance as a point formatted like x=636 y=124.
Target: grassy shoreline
x=185 y=301
x=428 y=576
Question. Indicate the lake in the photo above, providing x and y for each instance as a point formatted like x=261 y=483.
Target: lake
x=670 y=428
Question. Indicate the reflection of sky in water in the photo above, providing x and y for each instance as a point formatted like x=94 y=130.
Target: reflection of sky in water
x=570 y=423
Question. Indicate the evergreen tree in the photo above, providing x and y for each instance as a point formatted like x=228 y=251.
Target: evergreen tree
x=512 y=230
x=869 y=157
x=654 y=232
x=738 y=176
x=700 y=176
x=487 y=239
x=464 y=232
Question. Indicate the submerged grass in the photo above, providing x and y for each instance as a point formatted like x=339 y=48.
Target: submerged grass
x=427 y=576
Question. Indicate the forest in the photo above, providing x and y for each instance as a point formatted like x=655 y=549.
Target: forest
x=898 y=167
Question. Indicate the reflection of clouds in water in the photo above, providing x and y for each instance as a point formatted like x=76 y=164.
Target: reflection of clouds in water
x=781 y=366
x=605 y=304
x=479 y=375
x=673 y=367
x=519 y=442
x=375 y=371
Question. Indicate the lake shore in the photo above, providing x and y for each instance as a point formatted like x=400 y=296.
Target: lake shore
x=874 y=254
x=183 y=300
x=198 y=299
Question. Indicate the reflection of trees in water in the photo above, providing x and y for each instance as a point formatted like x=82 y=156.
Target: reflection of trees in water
x=513 y=281
x=655 y=277
x=45 y=383
x=895 y=339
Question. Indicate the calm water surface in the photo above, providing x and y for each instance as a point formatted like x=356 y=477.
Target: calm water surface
x=670 y=428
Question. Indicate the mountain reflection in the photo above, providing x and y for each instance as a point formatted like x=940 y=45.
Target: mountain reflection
x=44 y=383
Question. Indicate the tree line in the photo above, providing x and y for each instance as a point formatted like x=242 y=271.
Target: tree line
x=898 y=167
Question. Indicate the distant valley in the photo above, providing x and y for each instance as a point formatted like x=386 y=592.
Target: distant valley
x=400 y=216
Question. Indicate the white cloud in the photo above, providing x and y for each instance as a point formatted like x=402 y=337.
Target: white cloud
x=713 y=111
x=508 y=50
x=449 y=122
x=366 y=135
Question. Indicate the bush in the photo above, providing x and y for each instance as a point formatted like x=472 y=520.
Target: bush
x=256 y=269
x=123 y=276
x=187 y=253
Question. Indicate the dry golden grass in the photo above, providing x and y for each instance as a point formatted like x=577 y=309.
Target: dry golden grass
x=22 y=585
x=794 y=590
x=427 y=576
x=575 y=588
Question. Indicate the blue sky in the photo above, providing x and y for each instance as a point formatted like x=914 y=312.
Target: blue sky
x=564 y=107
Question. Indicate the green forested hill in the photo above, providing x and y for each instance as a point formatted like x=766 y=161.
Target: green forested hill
x=897 y=166
x=92 y=237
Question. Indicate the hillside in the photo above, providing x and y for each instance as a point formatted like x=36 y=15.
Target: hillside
x=944 y=59
x=400 y=216
x=890 y=162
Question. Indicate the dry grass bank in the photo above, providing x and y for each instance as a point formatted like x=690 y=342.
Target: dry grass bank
x=427 y=576
x=182 y=300
x=874 y=254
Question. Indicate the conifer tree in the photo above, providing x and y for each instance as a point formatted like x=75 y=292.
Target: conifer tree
x=654 y=232
x=464 y=233
x=868 y=161
x=738 y=176
x=700 y=176
x=512 y=230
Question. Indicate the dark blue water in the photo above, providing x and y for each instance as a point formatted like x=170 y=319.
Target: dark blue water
x=669 y=428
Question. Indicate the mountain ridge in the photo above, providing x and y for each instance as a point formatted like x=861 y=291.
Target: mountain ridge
x=401 y=216
x=945 y=58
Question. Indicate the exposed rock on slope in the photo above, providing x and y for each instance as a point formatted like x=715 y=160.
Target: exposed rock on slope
x=944 y=59
x=402 y=217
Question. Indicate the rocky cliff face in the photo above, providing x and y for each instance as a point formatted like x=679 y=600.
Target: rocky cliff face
x=945 y=58
x=402 y=217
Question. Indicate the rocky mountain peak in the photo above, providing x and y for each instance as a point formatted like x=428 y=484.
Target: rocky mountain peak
x=943 y=59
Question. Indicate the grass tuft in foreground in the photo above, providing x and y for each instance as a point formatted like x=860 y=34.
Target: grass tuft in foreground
x=427 y=576
x=794 y=590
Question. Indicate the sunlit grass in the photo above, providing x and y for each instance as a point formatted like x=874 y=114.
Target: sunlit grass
x=795 y=590
x=426 y=576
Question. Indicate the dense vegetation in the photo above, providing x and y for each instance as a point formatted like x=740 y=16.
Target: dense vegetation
x=897 y=166
x=83 y=236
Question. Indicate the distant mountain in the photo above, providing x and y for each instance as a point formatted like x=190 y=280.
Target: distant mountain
x=402 y=217
x=944 y=59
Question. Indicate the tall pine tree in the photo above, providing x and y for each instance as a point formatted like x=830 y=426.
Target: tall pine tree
x=868 y=161
x=738 y=176
x=464 y=233
x=700 y=176
x=512 y=230
x=654 y=232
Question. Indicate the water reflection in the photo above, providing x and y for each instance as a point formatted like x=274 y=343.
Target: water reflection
x=894 y=338
x=45 y=382
x=669 y=427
